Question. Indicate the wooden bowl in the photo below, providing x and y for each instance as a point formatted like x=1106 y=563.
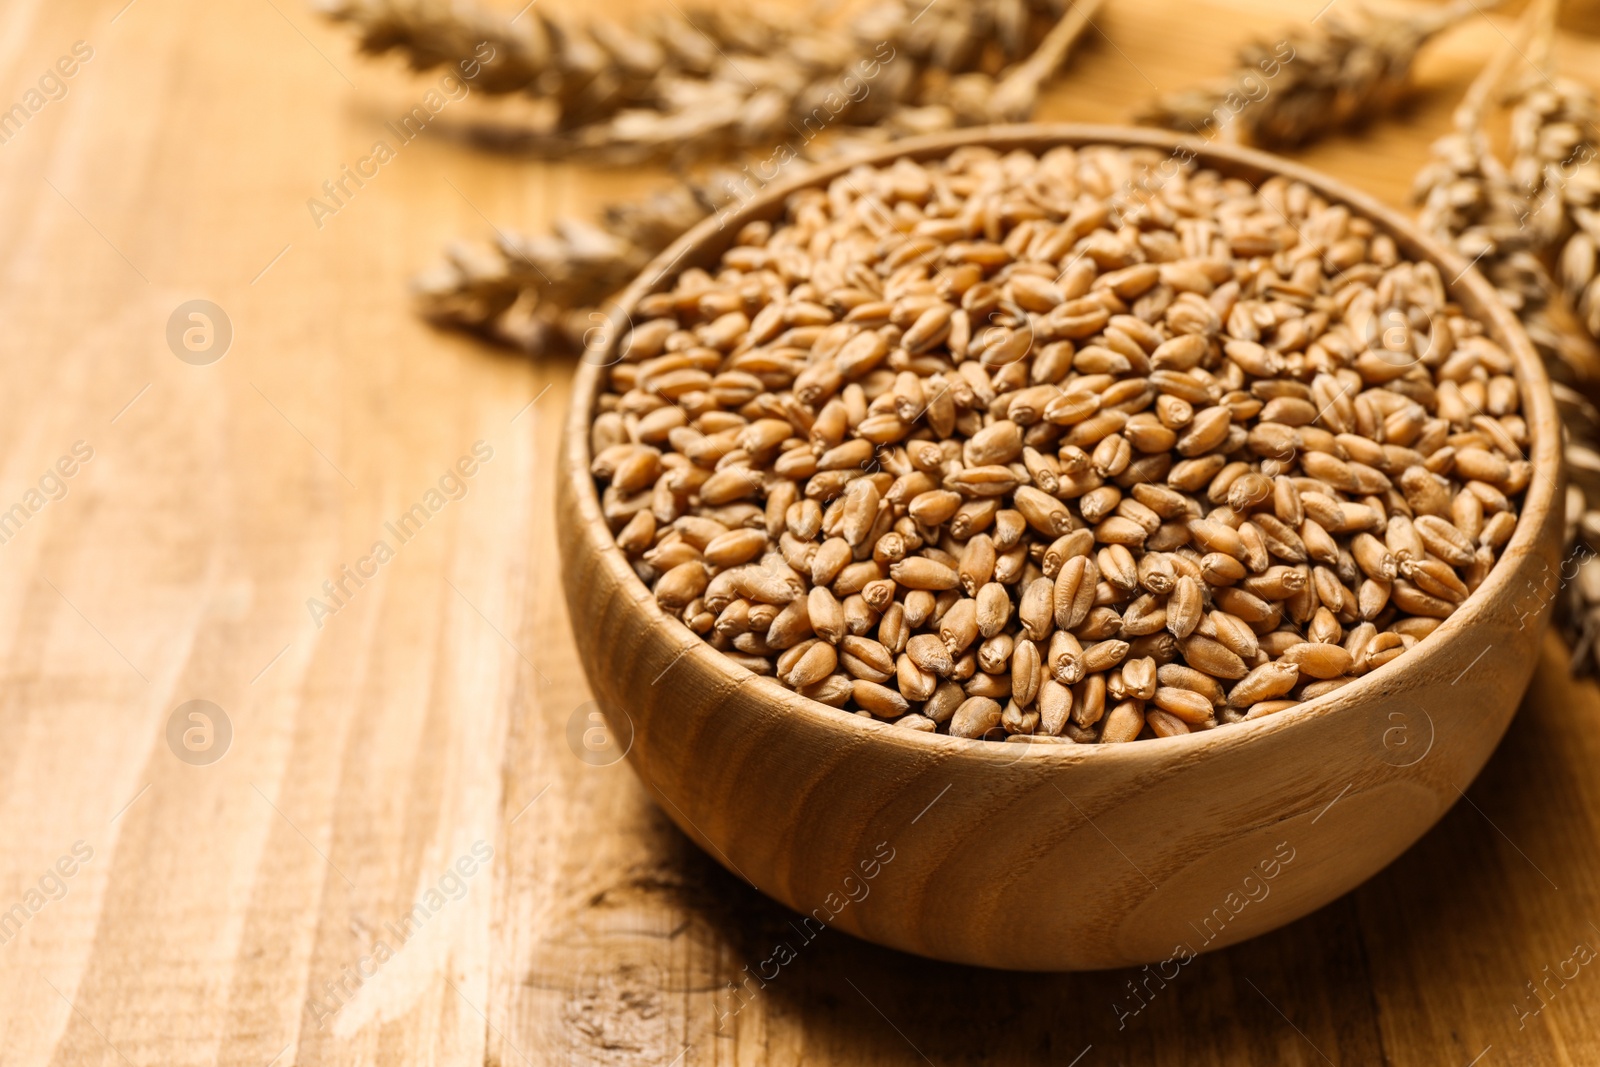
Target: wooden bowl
x=1060 y=857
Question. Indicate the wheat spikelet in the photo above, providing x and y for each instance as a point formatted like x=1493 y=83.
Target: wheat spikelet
x=1555 y=132
x=701 y=77
x=533 y=293
x=685 y=84
x=1555 y=135
x=1514 y=222
x=1338 y=74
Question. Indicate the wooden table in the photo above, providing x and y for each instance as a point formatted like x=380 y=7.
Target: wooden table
x=399 y=858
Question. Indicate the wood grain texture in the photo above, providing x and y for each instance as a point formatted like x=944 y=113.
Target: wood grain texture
x=432 y=711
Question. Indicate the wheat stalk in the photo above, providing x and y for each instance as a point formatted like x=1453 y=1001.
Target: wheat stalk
x=1017 y=94
x=1332 y=76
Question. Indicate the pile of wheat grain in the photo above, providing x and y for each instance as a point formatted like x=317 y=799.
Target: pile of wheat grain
x=1084 y=446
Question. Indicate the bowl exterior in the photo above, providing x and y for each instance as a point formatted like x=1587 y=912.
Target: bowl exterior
x=1055 y=857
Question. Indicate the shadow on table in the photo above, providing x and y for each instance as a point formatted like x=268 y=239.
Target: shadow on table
x=1422 y=964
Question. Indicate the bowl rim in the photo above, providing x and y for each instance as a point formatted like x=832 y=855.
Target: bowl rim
x=1468 y=288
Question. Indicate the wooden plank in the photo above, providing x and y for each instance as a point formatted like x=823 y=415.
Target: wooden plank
x=365 y=756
